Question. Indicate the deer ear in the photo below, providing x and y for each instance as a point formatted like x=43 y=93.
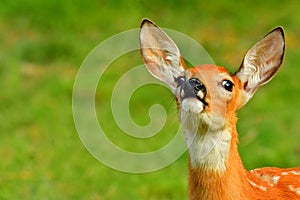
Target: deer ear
x=161 y=55
x=261 y=63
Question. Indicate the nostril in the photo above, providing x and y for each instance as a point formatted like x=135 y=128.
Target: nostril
x=197 y=85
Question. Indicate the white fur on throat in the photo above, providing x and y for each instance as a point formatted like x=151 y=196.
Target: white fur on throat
x=207 y=138
x=210 y=150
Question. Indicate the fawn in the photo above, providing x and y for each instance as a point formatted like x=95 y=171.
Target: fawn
x=208 y=97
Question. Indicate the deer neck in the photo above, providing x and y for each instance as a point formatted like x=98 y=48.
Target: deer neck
x=215 y=167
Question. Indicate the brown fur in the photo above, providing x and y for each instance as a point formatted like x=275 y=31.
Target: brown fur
x=235 y=182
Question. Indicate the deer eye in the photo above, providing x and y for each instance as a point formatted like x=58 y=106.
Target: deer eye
x=228 y=85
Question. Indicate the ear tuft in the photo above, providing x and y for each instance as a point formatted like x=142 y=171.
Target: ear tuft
x=147 y=22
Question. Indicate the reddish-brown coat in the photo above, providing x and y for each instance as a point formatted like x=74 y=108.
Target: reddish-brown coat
x=236 y=182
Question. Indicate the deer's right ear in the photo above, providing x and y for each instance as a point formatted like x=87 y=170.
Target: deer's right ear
x=160 y=54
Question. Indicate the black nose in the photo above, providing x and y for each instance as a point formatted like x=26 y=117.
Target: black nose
x=194 y=88
x=197 y=85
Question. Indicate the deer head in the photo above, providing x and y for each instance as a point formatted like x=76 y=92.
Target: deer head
x=207 y=90
x=208 y=95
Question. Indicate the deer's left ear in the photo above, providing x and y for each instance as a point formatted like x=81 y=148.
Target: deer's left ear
x=261 y=63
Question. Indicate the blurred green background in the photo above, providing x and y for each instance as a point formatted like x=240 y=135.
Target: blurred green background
x=42 y=45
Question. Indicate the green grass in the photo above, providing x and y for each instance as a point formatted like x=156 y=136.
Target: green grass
x=42 y=45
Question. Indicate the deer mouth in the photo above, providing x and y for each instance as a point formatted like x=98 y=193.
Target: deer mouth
x=193 y=115
x=193 y=105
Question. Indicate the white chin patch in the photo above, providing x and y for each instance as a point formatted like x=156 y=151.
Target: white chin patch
x=192 y=105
